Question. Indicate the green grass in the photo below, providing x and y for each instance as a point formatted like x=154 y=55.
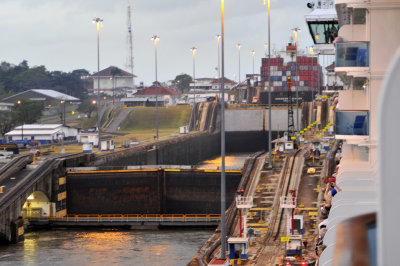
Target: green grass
x=143 y=118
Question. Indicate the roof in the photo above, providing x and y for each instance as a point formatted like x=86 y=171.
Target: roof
x=57 y=95
x=18 y=132
x=322 y=14
x=331 y=67
x=37 y=129
x=226 y=80
x=108 y=72
x=40 y=126
x=142 y=99
x=161 y=91
x=48 y=93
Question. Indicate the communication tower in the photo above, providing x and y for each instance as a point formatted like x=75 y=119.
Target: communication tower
x=129 y=64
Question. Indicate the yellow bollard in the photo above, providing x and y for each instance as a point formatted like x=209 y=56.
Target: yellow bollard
x=34 y=159
x=258 y=189
x=1 y=189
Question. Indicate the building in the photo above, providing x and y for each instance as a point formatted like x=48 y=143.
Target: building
x=367 y=41
x=333 y=82
x=147 y=97
x=228 y=84
x=6 y=106
x=113 y=81
x=54 y=102
x=202 y=84
x=42 y=133
x=47 y=97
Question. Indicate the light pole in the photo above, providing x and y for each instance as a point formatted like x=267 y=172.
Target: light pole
x=22 y=120
x=194 y=49
x=239 y=46
x=223 y=185
x=155 y=38
x=219 y=66
x=62 y=128
x=99 y=23
x=296 y=31
x=252 y=54
x=269 y=86
x=312 y=77
x=265 y=48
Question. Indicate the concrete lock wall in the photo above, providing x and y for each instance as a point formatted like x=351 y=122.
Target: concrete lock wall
x=186 y=150
x=152 y=192
x=238 y=120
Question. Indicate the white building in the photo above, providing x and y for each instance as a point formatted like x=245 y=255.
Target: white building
x=202 y=84
x=43 y=133
x=333 y=82
x=113 y=81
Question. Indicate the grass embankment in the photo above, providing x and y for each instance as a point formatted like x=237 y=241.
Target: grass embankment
x=141 y=122
x=138 y=125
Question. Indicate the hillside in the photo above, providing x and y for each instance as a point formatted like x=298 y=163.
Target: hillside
x=143 y=118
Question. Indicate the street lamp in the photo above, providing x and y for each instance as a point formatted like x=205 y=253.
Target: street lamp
x=252 y=54
x=296 y=31
x=312 y=77
x=155 y=38
x=22 y=120
x=265 y=48
x=223 y=177
x=99 y=23
x=219 y=67
x=269 y=85
x=194 y=49
x=239 y=46
x=62 y=127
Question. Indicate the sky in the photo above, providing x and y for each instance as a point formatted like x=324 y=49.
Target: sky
x=59 y=34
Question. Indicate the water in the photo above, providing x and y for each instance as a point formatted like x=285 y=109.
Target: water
x=113 y=247
x=233 y=161
x=105 y=247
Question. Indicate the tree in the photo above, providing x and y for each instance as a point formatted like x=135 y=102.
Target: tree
x=87 y=107
x=27 y=111
x=182 y=82
x=7 y=122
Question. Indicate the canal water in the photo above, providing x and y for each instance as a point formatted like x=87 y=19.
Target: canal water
x=112 y=246
x=105 y=247
x=233 y=161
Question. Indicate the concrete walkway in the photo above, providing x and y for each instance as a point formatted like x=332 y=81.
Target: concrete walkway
x=113 y=127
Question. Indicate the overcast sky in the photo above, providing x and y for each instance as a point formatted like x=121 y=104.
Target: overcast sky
x=59 y=34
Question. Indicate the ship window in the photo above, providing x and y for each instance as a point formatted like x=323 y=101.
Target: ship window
x=323 y=32
x=359 y=15
x=360 y=83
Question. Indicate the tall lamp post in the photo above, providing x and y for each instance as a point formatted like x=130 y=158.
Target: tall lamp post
x=312 y=77
x=239 y=46
x=219 y=66
x=194 y=49
x=99 y=23
x=269 y=86
x=252 y=55
x=155 y=38
x=296 y=31
x=63 y=124
x=22 y=120
x=223 y=177
x=266 y=49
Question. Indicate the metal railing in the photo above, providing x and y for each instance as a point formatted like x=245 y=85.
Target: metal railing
x=211 y=218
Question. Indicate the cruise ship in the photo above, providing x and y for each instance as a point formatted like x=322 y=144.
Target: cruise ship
x=361 y=227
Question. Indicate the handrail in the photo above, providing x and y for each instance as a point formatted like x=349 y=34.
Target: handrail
x=133 y=218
